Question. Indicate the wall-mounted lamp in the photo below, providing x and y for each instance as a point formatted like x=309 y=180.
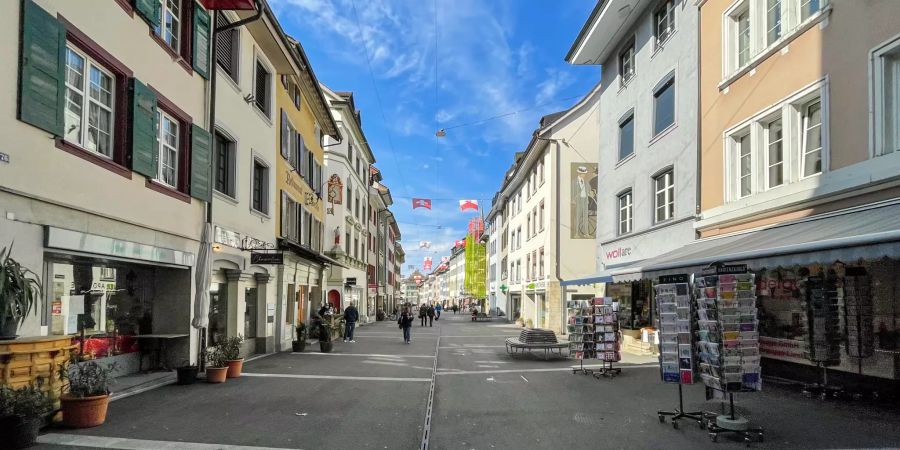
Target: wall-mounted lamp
x=217 y=247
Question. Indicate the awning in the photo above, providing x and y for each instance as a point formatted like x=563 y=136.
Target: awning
x=309 y=253
x=857 y=233
x=604 y=276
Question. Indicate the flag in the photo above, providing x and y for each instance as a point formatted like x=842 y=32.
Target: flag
x=426 y=265
x=445 y=259
x=460 y=243
x=468 y=204
x=424 y=244
x=421 y=203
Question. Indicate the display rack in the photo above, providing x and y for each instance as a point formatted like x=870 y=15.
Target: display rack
x=606 y=337
x=580 y=327
x=823 y=317
x=859 y=315
x=676 y=353
x=728 y=344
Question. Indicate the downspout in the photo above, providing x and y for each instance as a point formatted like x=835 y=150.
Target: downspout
x=699 y=128
x=562 y=289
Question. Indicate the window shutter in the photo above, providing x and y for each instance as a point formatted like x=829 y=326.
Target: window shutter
x=42 y=69
x=149 y=10
x=144 y=147
x=201 y=158
x=304 y=154
x=201 y=41
x=285 y=138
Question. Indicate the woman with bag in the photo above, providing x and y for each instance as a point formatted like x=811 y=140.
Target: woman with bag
x=405 y=322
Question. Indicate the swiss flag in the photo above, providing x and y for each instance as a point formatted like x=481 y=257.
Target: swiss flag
x=460 y=243
x=468 y=204
x=421 y=203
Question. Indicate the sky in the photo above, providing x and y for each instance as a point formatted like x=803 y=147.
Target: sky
x=416 y=66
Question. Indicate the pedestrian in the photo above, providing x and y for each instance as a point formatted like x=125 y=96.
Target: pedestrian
x=437 y=311
x=474 y=313
x=430 y=316
x=351 y=315
x=405 y=322
x=423 y=313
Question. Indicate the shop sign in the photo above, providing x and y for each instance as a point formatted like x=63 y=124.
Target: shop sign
x=619 y=252
x=726 y=269
x=276 y=258
x=227 y=237
x=105 y=286
x=674 y=279
x=350 y=281
x=787 y=349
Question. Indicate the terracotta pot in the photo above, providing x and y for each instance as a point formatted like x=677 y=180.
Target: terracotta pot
x=234 y=367
x=216 y=374
x=84 y=412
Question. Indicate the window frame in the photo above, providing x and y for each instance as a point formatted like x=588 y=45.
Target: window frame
x=627 y=118
x=628 y=208
x=766 y=125
x=88 y=63
x=879 y=128
x=257 y=64
x=804 y=113
x=163 y=116
x=668 y=82
x=264 y=187
x=231 y=169
x=177 y=31
x=668 y=192
x=665 y=9
x=627 y=50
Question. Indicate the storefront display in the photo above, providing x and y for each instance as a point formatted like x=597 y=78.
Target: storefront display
x=606 y=327
x=580 y=328
x=859 y=313
x=675 y=310
x=634 y=300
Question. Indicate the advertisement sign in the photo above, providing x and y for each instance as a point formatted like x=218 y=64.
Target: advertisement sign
x=266 y=258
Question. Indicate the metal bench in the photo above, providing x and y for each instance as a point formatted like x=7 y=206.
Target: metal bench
x=535 y=339
x=483 y=316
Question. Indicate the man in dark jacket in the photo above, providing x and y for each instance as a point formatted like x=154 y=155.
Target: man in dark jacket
x=423 y=314
x=351 y=315
x=430 y=315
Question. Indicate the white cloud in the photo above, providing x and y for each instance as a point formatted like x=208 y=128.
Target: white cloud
x=549 y=89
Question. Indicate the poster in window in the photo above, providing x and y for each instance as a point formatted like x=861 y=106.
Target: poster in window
x=584 y=201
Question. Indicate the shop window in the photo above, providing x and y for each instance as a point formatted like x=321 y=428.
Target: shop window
x=218 y=313
x=251 y=300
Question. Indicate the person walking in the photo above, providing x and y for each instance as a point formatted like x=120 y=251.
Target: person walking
x=405 y=322
x=423 y=313
x=351 y=315
x=437 y=311
x=430 y=316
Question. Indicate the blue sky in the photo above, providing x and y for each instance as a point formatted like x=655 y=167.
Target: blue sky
x=441 y=64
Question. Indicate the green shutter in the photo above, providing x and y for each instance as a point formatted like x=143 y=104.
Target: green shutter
x=201 y=167
x=201 y=41
x=144 y=146
x=149 y=10
x=42 y=69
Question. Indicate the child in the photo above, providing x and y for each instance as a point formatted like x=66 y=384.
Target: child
x=405 y=321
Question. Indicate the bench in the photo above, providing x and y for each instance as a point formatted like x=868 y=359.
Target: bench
x=482 y=316
x=535 y=339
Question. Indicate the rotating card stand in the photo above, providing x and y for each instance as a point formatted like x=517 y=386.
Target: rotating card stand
x=606 y=337
x=580 y=327
x=676 y=318
x=823 y=318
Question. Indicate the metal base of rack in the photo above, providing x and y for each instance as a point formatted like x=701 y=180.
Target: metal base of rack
x=717 y=424
x=607 y=370
x=679 y=413
x=582 y=369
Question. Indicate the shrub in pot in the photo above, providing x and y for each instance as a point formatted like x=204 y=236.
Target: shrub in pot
x=22 y=414
x=19 y=289
x=187 y=373
x=85 y=404
x=216 y=368
x=299 y=344
x=325 y=343
x=231 y=352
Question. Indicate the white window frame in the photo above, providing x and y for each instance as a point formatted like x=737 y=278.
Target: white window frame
x=173 y=39
x=87 y=101
x=766 y=144
x=162 y=147
x=626 y=76
x=665 y=10
x=668 y=191
x=880 y=129
x=266 y=193
x=625 y=212
x=804 y=108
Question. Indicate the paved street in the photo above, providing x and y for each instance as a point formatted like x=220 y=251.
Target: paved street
x=376 y=394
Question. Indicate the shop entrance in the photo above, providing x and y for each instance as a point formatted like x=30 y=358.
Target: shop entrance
x=334 y=299
x=250 y=312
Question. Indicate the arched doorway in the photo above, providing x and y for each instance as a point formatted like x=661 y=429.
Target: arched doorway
x=334 y=299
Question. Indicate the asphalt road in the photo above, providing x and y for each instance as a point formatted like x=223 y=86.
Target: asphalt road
x=376 y=394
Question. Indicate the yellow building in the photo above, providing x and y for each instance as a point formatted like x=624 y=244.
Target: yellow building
x=303 y=122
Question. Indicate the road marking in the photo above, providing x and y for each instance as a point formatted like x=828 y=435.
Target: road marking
x=426 y=430
x=523 y=377
x=555 y=369
x=77 y=440
x=331 y=377
x=377 y=355
x=463 y=346
x=398 y=337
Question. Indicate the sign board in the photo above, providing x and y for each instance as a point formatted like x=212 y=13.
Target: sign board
x=266 y=258
x=726 y=269
x=350 y=281
x=673 y=279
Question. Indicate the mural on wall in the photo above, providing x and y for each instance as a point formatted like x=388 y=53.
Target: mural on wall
x=584 y=201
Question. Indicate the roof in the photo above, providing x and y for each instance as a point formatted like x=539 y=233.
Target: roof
x=550 y=118
x=345 y=99
x=584 y=29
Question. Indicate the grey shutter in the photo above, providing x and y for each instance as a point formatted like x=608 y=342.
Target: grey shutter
x=201 y=157
x=201 y=41
x=285 y=138
x=149 y=10
x=42 y=70
x=144 y=146
x=304 y=154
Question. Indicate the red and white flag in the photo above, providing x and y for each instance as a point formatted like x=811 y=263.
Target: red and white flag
x=460 y=243
x=421 y=203
x=468 y=204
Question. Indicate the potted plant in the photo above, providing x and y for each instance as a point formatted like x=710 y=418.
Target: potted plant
x=216 y=368
x=325 y=343
x=22 y=413
x=85 y=404
x=300 y=344
x=19 y=289
x=231 y=352
x=187 y=373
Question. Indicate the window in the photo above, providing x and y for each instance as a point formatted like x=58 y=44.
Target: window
x=664 y=106
x=347 y=243
x=626 y=63
x=260 y=189
x=664 y=201
x=89 y=101
x=773 y=21
x=227 y=49
x=168 y=138
x=812 y=138
x=625 y=216
x=809 y=7
x=290 y=218
x=349 y=151
x=519 y=237
x=886 y=71
x=774 y=154
x=356 y=247
x=745 y=166
x=541 y=170
x=742 y=22
x=225 y=160
x=528 y=267
x=534 y=220
x=626 y=137
x=534 y=264
x=528 y=228
x=528 y=188
x=664 y=21
x=170 y=22
x=541 y=263
x=261 y=88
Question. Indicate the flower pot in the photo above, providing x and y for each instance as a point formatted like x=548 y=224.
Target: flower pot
x=8 y=328
x=234 y=367
x=216 y=374
x=19 y=432
x=187 y=374
x=326 y=346
x=298 y=346
x=84 y=412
